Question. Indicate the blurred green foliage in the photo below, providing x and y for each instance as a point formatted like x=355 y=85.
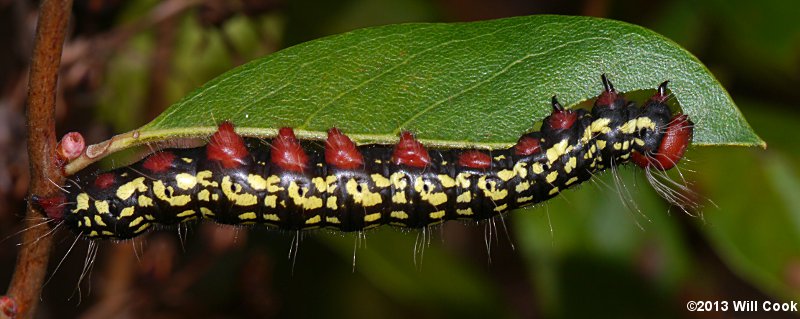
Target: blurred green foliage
x=583 y=254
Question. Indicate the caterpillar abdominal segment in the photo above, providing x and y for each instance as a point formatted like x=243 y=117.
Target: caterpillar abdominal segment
x=290 y=184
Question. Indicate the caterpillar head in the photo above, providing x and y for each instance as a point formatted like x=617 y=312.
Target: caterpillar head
x=662 y=152
x=95 y=220
x=676 y=139
x=52 y=207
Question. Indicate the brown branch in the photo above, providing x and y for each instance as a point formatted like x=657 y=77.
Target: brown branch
x=26 y=283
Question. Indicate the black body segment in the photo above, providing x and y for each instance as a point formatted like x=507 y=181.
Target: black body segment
x=379 y=193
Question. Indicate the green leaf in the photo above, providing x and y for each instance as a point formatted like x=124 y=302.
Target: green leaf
x=756 y=227
x=478 y=84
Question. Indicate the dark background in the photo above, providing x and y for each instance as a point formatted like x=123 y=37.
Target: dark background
x=582 y=254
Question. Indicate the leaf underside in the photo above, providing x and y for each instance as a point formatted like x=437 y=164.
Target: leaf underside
x=478 y=84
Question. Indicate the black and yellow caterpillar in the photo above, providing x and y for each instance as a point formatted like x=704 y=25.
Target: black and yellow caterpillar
x=297 y=185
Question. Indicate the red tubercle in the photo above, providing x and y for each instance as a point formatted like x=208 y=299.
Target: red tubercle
x=661 y=93
x=410 y=152
x=673 y=145
x=561 y=118
x=527 y=146
x=475 y=159
x=609 y=94
x=159 y=162
x=227 y=147
x=341 y=152
x=70 y=147
x=607 y=98
x=105 y=180
x=287 y=152
x=53 y=207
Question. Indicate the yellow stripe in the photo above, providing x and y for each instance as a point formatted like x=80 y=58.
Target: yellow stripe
x=447 y=181
x=126 y=190
x=298 y=196
x=372 y=217
x=501 y=208
x=313 y=220
x=519 y=168
x=437 y=214
x=465 y=197
x=557 y=150
x=380 y=181
x=247 y=216
x=550 y=178
x=185 y=181
x=571 y=164
x=145 y=201
x=601 y=125
x=537 y=168
x=332 y=220
x=142 y=228
x=127 y=211
x=160 y=190
x=506 y=175
x=234 y=193
x=319 y=182
x=256 y=182
x=271 y=201
x=102 y=206
x=136 y=221
x=399 y=198
x=206 y=212
x=524 y=199
x=185 y=213
x=465 y=212
x=572 y=180
x=82 y=202
x=399 y=214
x=364 y=197
x=331 y=204
x=490 y=189
x=99 y=220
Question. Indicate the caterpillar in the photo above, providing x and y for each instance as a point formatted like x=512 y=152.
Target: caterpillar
x=290 y=184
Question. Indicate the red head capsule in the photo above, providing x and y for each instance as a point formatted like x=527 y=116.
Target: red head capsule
x=341 y=152
x=287 y=152
x=53 y=207
x=410 y=152
x=674 y=143
x=227 y=147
